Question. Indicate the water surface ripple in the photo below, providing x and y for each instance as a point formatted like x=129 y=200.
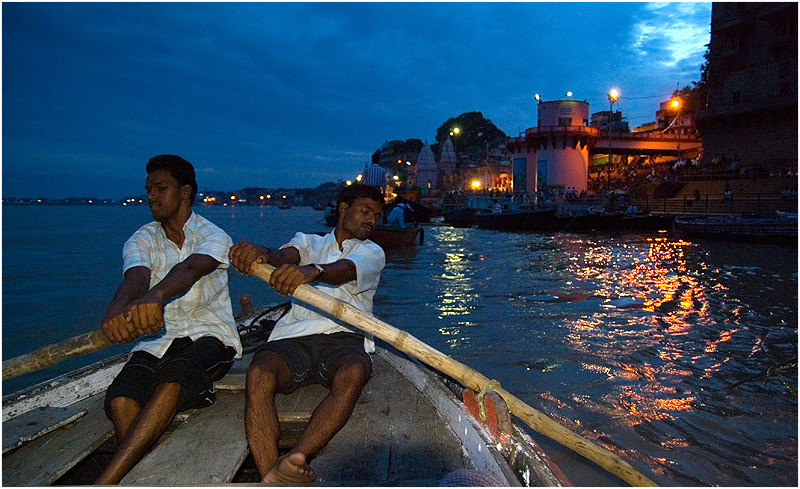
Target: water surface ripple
x=649 y=345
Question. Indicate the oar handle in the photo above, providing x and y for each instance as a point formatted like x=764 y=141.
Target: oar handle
x=49 y=355
x=462 y=373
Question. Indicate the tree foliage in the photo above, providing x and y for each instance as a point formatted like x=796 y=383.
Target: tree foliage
x=695 y=96
x=474 y=130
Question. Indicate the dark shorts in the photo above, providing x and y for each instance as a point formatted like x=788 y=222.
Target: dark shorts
x=195 y=365
x=310 y=357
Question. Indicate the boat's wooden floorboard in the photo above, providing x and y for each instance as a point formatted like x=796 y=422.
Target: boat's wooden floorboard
x=25 y=428
x=393 y=435
x=44 y=460
x=206 y=449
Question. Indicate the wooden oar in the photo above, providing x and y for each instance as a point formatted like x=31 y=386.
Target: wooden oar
x=462 y=373
x=49 y=355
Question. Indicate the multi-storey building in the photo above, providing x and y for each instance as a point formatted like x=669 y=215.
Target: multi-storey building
x=752 y=85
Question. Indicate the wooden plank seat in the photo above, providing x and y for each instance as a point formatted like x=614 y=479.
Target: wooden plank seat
x=42 y=461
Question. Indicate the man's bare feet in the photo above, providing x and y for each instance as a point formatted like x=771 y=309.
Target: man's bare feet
x=291 y=468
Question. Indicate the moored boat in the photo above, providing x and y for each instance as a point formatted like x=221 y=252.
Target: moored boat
x=776 y=230
x=408 y=428
x=516 y=220
x=463 y=217
x=588 y=222
x=392 y=237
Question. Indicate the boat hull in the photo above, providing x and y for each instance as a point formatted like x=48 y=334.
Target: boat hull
x=778 y=230
x=516 y=221
x=460 y=218
x=408 y=428
x=390 y=237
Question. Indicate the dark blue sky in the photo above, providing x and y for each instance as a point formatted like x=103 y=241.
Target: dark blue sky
x=297 y=94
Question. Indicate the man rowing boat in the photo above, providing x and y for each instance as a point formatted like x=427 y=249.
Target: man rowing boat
x=193 y=339
x=307 y=347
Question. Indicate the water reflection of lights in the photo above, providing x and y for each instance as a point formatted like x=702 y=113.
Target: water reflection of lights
x=456 y=293
x=676 y=302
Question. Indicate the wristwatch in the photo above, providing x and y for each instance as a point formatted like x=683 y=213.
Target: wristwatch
x=319 y=269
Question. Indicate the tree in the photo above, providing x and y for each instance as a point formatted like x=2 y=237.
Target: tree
x=695 y=96
x=474 y=130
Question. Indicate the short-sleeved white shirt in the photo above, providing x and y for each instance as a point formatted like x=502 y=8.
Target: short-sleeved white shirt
x=205 y=309
x=369 y=259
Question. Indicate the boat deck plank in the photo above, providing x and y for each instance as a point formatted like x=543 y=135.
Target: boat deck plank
x=186 y=457
x=398 y=436
x=207 y=448
x=42 y=461
x=38 y=422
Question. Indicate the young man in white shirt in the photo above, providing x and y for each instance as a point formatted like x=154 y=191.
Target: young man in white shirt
x=192 y=339
x=306 y=347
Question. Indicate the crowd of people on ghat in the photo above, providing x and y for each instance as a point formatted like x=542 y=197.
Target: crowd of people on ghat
x=174 y=300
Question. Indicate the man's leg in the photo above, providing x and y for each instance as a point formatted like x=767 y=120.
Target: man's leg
x=123 y=412
x=267 y=375
x=347 y=377
x=145 y=430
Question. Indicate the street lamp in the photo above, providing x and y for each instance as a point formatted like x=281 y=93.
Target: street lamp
x=613 y=96
x=675 y=104
x=454 y=132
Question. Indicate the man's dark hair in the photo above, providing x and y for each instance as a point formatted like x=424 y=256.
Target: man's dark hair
x=180 y=169
x=350 y=193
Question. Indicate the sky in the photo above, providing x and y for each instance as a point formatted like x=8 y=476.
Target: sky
x=297 y=94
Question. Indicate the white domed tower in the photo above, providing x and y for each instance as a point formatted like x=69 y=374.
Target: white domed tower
x=427 y=172
x=556 y=151
x=447 y=166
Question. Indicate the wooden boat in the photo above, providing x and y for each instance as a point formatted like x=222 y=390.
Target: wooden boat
x=775 y=230
x=460 y=218
x=517 y=220
x=393 y=237
x=588 y=222
x=647 y=222
x=408 y=428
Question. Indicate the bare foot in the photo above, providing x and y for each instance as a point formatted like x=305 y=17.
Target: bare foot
x=291 y=468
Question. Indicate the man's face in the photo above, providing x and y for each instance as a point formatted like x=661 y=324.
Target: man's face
x=358 y=220
x=164 y=194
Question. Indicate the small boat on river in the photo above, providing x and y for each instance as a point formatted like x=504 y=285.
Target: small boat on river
x=462 y=217
x=409 y=427
x=776 y=230
x=516 y=220
x=588 y=222
x=393 y=237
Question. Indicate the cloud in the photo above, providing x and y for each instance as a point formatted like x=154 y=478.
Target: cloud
x=671 y=33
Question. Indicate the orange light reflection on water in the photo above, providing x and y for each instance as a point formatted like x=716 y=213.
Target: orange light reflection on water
x=677 y=303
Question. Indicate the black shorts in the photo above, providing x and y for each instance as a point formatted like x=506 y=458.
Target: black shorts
x=310 y=357
x=195 y=365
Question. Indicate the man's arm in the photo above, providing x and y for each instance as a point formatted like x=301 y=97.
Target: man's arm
x=146 y=312
x=116 y=324
x=288 y=275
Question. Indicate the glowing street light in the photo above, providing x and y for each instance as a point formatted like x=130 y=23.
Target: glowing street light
x=536 y=96
x=613 y=96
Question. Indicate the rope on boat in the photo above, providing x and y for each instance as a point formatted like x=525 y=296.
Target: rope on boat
x=490 y=386
x=255 y=334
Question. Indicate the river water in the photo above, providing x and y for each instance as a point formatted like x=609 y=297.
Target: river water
x=652 y=346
